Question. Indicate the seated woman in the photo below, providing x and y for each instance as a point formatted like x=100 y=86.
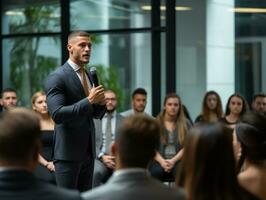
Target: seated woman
x=209 y=166
x=46 y=168
x=251 y=134
x=212 y=110
x=236 y=106
x=174 y=127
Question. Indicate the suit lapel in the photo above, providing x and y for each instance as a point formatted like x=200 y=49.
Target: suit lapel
x=74 y=79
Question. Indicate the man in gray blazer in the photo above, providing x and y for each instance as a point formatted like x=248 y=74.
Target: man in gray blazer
x=20 y=142
x=134 y=147
x=105 y=162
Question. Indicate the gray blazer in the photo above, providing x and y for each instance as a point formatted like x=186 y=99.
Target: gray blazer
x=133 y=186
x=99 y=131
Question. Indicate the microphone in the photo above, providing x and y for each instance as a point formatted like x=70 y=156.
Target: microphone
x=94 y=76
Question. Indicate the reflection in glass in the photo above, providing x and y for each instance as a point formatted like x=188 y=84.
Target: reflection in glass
x=26 y=63
x=126 y=60
x=107 y=14
x=30 y=17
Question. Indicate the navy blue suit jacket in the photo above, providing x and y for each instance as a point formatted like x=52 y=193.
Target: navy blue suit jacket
x=73 y=115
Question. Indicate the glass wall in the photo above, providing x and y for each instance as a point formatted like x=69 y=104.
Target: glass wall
x=220 y=45
x=250 y=47
x=106 y=14
x=28 y=61
x=30 y=16
x=27 y=56
x=126 y=61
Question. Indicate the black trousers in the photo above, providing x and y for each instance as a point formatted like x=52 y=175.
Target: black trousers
x=158 y=172
x=74 y=174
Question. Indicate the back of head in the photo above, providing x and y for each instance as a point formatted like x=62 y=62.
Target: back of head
x=209 y=163
x=251 y=133
x=19 y=137
x=137 y=141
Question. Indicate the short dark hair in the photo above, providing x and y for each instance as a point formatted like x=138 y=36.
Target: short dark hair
x=77 y=34
x=139 y=91
x=19 y=135
x=263 y=95
x=7 y=90
x=137 y=140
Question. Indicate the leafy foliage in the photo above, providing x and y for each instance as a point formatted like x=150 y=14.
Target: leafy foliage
x=28 y=67
x=109 y=78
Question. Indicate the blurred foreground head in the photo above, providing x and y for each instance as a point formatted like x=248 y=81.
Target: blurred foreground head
x=20 y=138
x=209 y=163
x=137 y=141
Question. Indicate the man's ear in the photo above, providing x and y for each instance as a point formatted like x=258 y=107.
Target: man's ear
x=1 y=102
x=69 y=48
x=113 y=149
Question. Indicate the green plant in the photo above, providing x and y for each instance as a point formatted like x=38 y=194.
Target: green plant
x=109 y=78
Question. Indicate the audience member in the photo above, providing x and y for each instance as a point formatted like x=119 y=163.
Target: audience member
x=236 y=106
x=20 y=142
x=134 y=148
x=138 y=103
x=251 y=134
x=106 y=130
x=173 y=129
x=212 y=110
x=259 y=103
x=46 y=167
x=209 y=164
x=8 y=99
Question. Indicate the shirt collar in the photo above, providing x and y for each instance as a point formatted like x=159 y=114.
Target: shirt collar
x=130 y=170
x=113 y=114
x=74 y=66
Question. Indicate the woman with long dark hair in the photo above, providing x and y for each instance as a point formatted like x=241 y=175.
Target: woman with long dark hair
x=209 y=164
x=251 y=136
x=236 y=106
x=212 y=110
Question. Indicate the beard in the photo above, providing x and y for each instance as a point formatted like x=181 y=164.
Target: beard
x=111 y=110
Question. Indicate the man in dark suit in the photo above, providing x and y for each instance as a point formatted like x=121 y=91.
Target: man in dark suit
x=73 y=101
x=134 y=147
x=105 y=162
x=20 y=142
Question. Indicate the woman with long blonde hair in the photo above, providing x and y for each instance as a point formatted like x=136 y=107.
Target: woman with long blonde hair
x=174 y=127
x=46 y=168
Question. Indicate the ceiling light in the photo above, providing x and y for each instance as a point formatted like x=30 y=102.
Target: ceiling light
x=163 y=8
x=14 y=13
x=249 y=10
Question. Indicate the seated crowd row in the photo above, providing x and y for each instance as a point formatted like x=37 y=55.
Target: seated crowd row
x=220 y=156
